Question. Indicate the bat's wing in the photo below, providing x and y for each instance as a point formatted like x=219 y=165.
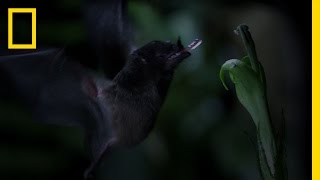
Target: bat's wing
x=109 y=33
x=52 y=86
x=24 y=73
x=47 y=83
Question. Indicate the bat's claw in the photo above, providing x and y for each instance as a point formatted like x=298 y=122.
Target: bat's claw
x=88 y=175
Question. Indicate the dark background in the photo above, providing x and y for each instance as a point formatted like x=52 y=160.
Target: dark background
x=202 y=131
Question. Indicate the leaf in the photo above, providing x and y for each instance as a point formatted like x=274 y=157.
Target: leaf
x=246 y=60
x=248 y=85
x=250 y=91
x=227 y=66
x=265 y=169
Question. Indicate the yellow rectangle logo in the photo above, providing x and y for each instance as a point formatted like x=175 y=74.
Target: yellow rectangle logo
x=33 y=12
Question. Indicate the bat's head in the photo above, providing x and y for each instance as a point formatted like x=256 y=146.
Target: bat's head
x=160 y=56
x=152 y=61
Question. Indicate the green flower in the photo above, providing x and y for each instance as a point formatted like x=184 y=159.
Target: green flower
x=248 y=77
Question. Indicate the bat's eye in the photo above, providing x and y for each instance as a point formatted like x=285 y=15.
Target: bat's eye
x=143 y=60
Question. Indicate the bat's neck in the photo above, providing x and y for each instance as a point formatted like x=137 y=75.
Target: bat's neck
x=133 y=77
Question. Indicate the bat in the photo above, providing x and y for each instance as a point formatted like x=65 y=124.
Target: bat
x=116 y=108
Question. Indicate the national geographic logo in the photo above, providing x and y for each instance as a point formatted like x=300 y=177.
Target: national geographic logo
x=11 y=12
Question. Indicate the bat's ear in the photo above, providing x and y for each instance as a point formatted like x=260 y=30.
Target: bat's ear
x=179 y=43
x=89 y=87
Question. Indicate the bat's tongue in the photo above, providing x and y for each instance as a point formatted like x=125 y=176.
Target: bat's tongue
x=193 y=45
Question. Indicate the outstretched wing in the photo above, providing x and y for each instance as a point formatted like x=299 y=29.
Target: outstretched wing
x=24 y=73
x=51 y=85
x=47 y=83
x=109 y=33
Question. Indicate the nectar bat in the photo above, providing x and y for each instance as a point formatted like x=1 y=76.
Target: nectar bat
x=116 y=108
